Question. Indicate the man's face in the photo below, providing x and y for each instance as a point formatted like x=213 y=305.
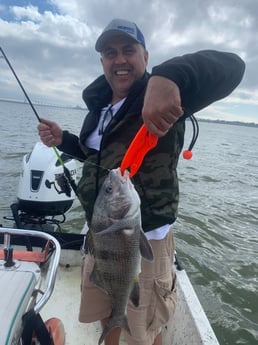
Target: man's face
x=123 y=61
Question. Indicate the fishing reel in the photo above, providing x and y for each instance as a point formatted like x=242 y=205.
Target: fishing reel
x=62 y=182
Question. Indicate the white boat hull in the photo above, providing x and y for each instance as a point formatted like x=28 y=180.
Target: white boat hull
x=188 y=326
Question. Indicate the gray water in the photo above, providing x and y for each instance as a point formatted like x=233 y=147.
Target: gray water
x=217 y=228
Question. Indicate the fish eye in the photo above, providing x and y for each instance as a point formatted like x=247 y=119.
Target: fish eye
x=109 y=189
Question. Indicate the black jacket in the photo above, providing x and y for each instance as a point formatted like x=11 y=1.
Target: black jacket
x=202 y=77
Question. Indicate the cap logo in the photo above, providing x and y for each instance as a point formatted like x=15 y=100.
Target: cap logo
x=120 y=25
x=127 y=29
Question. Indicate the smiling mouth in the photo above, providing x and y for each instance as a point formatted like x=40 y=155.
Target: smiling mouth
x=122 y=73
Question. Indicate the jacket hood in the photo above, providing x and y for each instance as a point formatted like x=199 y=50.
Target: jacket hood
x=91 y=94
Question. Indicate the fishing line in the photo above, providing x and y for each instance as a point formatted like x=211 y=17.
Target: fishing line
x=99 y=166
x=66 y=171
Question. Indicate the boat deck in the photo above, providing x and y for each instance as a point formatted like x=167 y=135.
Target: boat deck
x=189 y=325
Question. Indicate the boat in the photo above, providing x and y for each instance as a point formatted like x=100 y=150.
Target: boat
x=40 y=269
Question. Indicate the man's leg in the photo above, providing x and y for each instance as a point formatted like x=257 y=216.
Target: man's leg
x=157 y=295
x=95 y=303
x=158 y=339
x=113 y=336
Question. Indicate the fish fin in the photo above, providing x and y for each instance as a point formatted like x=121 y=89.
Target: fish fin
x=89 y=246
x=95 y=278
x=112 y=228
x=145 y=247
x=114 y=322
x=135 y=294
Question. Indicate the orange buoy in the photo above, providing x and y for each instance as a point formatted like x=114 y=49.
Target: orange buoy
x=187 y=154
x=56 y=329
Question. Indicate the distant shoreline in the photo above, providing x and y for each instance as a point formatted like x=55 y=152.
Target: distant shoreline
x=77 y=107
x=43 y=104
x=235 y=123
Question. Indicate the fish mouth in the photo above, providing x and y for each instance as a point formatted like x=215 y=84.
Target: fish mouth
x=119 y=183
x=116 y=173
x=117 y=177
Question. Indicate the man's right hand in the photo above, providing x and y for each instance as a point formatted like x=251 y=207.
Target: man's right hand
x=162 y=105
x=50 y=133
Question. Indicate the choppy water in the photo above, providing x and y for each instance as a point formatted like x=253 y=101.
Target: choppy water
x=217 y=228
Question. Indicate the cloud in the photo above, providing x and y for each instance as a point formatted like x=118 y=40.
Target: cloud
x=47 y=28
x=51 y=43
x=28 y=12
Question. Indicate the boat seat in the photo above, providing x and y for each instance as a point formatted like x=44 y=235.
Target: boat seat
x=16 y=288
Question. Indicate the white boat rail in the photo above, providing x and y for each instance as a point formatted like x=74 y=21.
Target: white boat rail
x=9 y=232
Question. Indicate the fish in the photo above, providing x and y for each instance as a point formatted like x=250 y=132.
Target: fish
x=117 y=242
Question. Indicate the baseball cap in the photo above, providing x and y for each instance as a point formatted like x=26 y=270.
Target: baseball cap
x=119 y=26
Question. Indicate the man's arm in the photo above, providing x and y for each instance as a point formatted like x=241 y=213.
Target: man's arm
x=203 y=77
x=51 y=134
x=71 y=146
x=186 y=84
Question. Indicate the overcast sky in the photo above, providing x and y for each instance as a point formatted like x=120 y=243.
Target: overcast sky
x=50 y=44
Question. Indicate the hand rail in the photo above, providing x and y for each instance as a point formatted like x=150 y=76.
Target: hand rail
x=54 y=264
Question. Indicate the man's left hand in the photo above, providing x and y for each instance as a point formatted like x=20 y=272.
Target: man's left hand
x=162 y=105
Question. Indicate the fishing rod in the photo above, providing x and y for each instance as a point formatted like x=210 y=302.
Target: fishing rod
x=71 y=182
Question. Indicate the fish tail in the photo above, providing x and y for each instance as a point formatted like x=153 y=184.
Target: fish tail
x=114 y=323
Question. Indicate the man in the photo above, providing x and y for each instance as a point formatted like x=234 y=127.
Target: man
x=119 y=102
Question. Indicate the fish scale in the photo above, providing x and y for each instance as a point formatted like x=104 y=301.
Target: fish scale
x=121 y=260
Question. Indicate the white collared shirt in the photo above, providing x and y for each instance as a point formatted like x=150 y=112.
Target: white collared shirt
x=94 y=139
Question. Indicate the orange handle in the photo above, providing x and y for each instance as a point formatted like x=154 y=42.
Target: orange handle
x=143 y=142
